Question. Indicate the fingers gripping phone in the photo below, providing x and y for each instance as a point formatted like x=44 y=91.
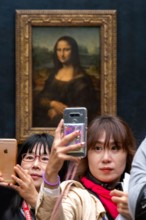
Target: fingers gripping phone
x=8 y=157
x=76 y=119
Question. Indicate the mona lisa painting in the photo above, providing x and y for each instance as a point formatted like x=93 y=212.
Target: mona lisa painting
x=63 y=59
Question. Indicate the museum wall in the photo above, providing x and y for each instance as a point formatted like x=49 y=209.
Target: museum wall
x=131 y=58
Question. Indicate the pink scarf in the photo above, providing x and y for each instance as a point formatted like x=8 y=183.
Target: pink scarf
x=103 y=194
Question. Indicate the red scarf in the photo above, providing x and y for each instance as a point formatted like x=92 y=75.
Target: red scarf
x=104 y=196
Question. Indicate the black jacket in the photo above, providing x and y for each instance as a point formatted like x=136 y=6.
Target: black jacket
x=140 y=211
x=10 y=205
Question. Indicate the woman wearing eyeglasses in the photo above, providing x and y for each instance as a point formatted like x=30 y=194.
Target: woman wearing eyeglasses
x=32 y=160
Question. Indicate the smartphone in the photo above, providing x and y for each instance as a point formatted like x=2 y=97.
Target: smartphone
x=8 y=158
x=119 y=186
x=76 y=119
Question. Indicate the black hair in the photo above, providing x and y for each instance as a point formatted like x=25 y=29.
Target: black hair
x=35 y=139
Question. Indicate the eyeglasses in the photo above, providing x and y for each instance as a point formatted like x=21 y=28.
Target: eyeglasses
x=30 y=157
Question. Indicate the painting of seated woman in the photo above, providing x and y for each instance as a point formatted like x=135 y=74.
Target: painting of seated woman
x=68 y=84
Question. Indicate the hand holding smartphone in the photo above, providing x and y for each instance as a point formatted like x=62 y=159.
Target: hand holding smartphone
x=76 y=119
x=8 y=158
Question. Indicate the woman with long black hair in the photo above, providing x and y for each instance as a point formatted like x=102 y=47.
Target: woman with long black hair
x=67 y=86
x=18 y=201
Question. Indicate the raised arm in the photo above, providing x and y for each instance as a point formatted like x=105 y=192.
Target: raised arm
x=137 y=177
x=59 y=154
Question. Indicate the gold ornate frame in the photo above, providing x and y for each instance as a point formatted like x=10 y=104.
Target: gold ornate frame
x=25 y=20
